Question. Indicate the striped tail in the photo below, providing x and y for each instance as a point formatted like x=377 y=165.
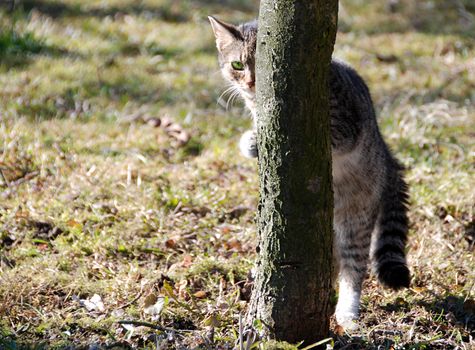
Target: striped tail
x=389 y=257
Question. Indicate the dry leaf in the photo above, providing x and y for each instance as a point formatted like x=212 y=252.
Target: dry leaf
x=182 y=293
x=167 y=289
x=42 y=246
x=200 y=294
x=233 y=244
x=170 y=243
x=419 y=290
x=225 y=229
x=187 y=261
x=150 y=300
x=73 y=223
x=93 y=304
x=212 y=321
x=155 y=122
x=156 y=308
x=22 y=214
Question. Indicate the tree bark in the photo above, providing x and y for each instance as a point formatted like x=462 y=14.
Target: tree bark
x=293 y=284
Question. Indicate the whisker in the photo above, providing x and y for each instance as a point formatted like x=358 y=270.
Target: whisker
x=228 y=90
x=228 y=103
x=229 y=100
x=223 y=93
x=237 y=95
x=233 y=96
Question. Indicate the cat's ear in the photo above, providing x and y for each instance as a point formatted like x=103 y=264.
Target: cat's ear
x=224 y=33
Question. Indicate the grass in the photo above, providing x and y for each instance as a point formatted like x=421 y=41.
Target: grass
x=120 y=174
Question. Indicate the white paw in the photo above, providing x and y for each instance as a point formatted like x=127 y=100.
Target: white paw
x=347 y=320
x=347 y=308
x=248 y=144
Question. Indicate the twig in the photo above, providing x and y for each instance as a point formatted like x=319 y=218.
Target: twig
x=25 y=178
x=241 y=345
x=466 y=15
x=132 y=301
x=18 y=182
x=151 y=325
x=143 y=324
x=4 y=178
x=12 y=10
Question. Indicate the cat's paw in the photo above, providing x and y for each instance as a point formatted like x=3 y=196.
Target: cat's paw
x=248 y=144
x=347 y=320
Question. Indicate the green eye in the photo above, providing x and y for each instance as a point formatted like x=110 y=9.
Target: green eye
x=237 y=65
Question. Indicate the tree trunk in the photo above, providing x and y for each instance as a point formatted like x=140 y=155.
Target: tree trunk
x=293 y=285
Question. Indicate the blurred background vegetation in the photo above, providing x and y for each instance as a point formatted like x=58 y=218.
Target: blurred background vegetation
x=120 y=176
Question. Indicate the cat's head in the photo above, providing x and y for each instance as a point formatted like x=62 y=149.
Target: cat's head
x=236 y=52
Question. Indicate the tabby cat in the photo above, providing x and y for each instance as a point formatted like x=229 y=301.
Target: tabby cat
x=370 y=195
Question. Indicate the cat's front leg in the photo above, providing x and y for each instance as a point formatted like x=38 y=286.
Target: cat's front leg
x=248 y=144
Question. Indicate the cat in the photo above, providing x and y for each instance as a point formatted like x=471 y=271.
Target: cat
x=370 y=195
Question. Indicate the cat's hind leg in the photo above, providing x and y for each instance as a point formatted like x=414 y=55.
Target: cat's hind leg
x=352 y=249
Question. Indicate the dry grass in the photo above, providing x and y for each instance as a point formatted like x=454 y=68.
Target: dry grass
x=120 y=175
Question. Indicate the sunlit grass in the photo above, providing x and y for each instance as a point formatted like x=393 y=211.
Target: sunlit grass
x=98 y=195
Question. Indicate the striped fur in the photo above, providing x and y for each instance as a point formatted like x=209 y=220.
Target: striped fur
x=370 y=195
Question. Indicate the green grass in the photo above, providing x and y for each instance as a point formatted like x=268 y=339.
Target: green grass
x=13 y=43
x=97 y=198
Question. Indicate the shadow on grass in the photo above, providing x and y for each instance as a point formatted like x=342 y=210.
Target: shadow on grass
x=432 y=17
x=9 y=343
x=56 y=9
x=122 y=89
x=454 y=309
x=444 y=17
x=380 y=341
x=18 y=49
x=170 y=11
x=239 y=5
x=76 y=102
x=458 y=90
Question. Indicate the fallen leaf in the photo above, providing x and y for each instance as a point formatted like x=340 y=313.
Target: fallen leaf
x=93 y=304
x=173 y=130
x=150 y=300
x=212 y=321
x=187 y=261
x=155 y=122
x=182 y=293
x=419 y=290
x=225 y=229
x=201 y=294
x=156 y=308
x=22 y=214
x=170 y=243
x=73 y=224
x=167 y=289
x=387 y=58
x=233 y=244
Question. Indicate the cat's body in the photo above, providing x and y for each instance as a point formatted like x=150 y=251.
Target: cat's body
x=370 y=195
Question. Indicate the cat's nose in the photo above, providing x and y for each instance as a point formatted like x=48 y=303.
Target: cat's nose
x=251 y=83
